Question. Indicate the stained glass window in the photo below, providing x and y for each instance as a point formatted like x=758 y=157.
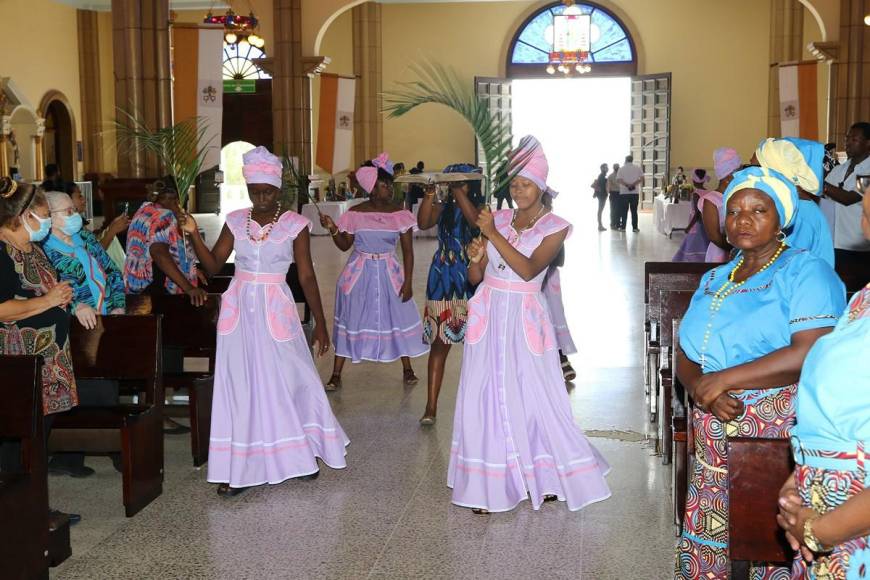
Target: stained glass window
x=610 y=41
x=238 y=63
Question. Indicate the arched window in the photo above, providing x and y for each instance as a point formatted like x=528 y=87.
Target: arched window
x=238 y=63
x=612 y=53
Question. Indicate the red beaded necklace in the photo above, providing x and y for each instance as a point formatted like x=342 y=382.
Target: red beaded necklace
x=267 y=229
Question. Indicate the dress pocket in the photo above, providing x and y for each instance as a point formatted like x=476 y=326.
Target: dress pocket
x=478 y=315
x=537 y=325
x=228 y=319
x=351 y=273
x=395 y=273
x=281 y=314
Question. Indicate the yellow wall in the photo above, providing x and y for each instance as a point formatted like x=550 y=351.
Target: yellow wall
x=719 y=86
x=44 y=60
x=338 y=46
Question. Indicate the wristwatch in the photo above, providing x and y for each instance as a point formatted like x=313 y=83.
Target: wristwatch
x=810 y=539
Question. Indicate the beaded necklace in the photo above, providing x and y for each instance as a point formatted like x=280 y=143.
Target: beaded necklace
x=514 y=241
x=267 y=228
x=728 y=288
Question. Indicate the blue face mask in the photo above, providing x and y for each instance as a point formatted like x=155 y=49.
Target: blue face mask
x=72 y=224
x=42 y=232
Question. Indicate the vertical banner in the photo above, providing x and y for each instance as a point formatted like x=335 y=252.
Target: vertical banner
x=335 y=123
x=798 y=100
x=197 y=89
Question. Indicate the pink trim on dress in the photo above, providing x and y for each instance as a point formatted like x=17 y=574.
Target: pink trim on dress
x=288 y=226
x=478 y=315
x=397 y=221
x=540 y=337
x=281 y=314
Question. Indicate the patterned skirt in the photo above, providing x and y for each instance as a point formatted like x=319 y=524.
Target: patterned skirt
x=445 y=320
x=702 y=550
x=824 y=490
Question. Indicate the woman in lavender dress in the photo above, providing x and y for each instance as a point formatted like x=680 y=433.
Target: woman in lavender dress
x=375 y=318
x=514 y=436
x=271 y=420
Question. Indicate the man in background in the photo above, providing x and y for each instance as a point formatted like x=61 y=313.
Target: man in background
x=615 y=207
x=630 y=179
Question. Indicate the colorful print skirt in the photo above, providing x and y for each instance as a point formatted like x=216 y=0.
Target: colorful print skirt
x=702 y=550
x=824 y=490
x=445 y=321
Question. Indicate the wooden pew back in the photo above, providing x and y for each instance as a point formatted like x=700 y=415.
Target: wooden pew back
x=673 y=305
x=662 y=270
x=757 y=468
x=23 y=492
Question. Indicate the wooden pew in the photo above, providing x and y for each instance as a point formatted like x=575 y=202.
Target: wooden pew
x=658 y=276
x=24 y=535
x=127 y=349
x=193 y=330
x=682 y=447
x=757 y=468
x=673 y=306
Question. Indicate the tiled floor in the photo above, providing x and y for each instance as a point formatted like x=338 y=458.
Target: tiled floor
x=388 y=515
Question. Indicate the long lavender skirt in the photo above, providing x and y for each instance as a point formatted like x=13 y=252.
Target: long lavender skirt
x=271 y=419
x=371 y=321
x=514 y=436
x=694 y=246
x=553 y=293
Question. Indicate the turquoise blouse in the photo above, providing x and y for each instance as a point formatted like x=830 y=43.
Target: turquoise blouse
x=797 y=292
x=833 y=402
x=811 y=232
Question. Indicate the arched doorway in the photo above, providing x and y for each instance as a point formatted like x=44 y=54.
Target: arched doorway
x=21 y=148
x=234 y=192
x=59 y=140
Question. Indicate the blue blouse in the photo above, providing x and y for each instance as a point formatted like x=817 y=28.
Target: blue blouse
x=811 y=232
x=833 y=402
x=797 y=292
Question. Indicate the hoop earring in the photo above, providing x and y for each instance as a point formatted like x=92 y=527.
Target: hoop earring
x=780 y=237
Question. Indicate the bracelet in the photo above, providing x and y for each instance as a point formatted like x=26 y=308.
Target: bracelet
x=333 y=233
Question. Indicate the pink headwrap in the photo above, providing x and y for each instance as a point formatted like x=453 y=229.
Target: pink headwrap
x=696 y=177
x=726 y=161
x=368 y=176
x=260 y=166
x=530 y=154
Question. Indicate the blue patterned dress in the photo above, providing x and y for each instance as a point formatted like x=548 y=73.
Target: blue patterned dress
x=448 y=289
x=93 y=276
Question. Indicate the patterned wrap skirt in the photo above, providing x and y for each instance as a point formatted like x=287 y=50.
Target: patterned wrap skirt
x=702 y=550
x=445 y=320
x=824 y=489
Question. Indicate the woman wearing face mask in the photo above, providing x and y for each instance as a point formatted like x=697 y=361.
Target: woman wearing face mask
x=33 y=303
x=78 y=258
x=108 y=234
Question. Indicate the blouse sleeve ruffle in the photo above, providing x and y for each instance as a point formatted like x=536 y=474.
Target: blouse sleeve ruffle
x=817 y=295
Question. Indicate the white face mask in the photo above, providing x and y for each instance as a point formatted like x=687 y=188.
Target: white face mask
x=42 y=232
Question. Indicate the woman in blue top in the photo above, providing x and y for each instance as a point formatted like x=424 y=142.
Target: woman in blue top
x=97 y=283
x=447 y=289
x=743 y=341
x=825 y=507
x=802 y=162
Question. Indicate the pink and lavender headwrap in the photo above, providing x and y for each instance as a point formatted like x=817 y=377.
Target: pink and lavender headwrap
x=726 y=161
x=260 y=166
x=529 y=155
x=367 y=177
x=697 y=178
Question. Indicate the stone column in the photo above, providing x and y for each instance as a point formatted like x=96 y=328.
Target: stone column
x=850 y=71
x=291 y=86
x=368 y=127
x=786 y=37
x=140 y=35
x=90 y=82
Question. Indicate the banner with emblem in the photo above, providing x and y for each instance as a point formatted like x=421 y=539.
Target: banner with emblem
x=798 y=100
x=197 y=89
x=335 y=123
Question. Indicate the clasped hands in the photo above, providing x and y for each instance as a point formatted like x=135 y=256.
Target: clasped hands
x=711 y=394
x=477 y=247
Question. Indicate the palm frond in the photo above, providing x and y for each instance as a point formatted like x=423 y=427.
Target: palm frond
x=439 y=84
x=180 y=148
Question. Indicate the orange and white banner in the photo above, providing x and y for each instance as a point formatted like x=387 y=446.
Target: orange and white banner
x=335 y=123
x=798 y=100
x=197 y=88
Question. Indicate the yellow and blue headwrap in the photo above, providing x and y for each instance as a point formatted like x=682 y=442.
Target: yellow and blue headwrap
x=768 y=181
x=800 y=160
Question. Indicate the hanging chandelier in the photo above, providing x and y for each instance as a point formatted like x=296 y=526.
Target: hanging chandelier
x=571 y=41
x=238 y=28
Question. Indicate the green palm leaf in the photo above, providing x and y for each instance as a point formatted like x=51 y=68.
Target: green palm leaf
x=180 y=148
x=438 y=84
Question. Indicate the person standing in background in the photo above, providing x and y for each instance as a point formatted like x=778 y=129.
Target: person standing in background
x=613 y=192
x=630 y=179
x=600 y=193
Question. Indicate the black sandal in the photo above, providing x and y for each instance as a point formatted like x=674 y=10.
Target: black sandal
x=333 y=384
x=409 y=378
x=224 y=490
x=480 y=511
x=549 y=498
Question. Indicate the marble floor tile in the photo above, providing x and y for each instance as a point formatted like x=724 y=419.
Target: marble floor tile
x=388 y=515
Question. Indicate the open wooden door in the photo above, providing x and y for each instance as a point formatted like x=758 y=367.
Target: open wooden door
x=651 y=132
